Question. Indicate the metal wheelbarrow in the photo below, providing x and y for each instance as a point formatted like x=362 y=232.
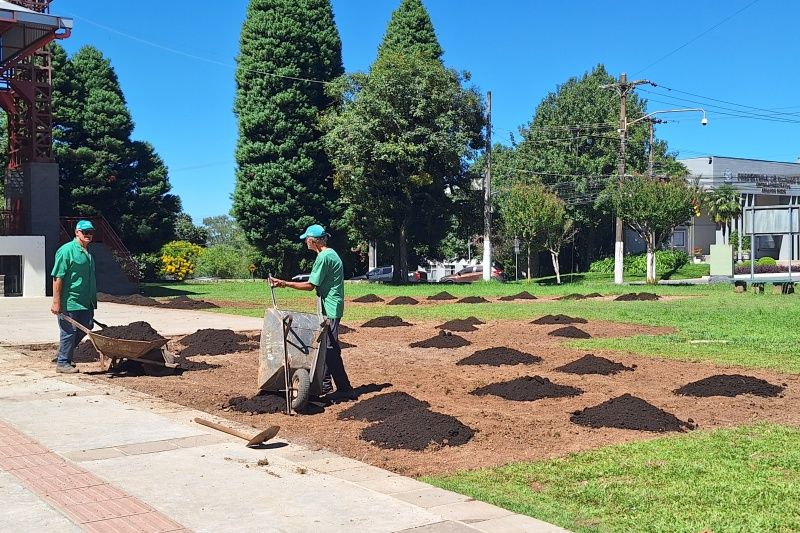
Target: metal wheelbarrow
x=292 y=354
x=112 y=351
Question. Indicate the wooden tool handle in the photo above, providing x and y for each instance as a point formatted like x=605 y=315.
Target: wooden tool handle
x=224 y=429
x=74 y=323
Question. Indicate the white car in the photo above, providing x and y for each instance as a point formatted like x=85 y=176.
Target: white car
x=301 y=277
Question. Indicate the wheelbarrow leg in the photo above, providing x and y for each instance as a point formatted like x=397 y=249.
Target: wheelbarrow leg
x=287 y=324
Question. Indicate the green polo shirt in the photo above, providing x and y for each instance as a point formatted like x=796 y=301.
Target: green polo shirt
x=327 y=275
x=75 y=267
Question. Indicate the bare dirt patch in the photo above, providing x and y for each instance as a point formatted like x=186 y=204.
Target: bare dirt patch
x=730 y=385
x=439 y=296
x=527 y=389
x=403 y=300
x=640 y=297
x=591 y=364
x=385 y=322
x=524 y=295
x=570 y=332
x=502 y=355
x=630 y=412
x=368 y=299
x=559 y=319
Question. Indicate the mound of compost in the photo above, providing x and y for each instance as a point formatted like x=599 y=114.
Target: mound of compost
x=135 y=331
x=730 y=385
x=368 y=299
x=213 y=342
x=189 y=366
x=570 y=332
x=559 y=319
x=403 y=300
x=85 y=352
x=573 y=296
x=444 y=295
x=458 y=325
x=629 y=412
x=640 y=297
x=131 y=299
x=385 y=322
x=474 y=321
x=591 y=364
x=263 y=403
x=473 y=300
x=527 y=389
x=594 y=295
x=379 y=408
x=418 y=430
x=524 y=295
x=500 y=356
x=443 y=340
x=184 y=302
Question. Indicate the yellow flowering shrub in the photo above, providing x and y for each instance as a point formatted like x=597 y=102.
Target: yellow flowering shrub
x=179 y=258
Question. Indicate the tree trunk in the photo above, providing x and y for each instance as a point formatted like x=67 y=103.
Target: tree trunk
x=651 y=258
x=528 y=250
x=554 y=257
x=401 y=264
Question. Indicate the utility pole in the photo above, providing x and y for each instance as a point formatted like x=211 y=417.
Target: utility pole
x=623 y=87
x=487 y=195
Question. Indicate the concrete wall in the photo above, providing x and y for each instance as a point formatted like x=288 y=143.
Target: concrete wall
x=34 y=271
x=42 y=209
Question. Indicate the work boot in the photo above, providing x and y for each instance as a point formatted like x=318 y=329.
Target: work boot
x=327 y=385
x=66 y=369
x=55 y=360
x=339 y=396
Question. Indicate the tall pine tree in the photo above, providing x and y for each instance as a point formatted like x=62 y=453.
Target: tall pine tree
x=283 y=177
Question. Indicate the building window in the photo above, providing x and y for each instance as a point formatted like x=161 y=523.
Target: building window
x=679 y=239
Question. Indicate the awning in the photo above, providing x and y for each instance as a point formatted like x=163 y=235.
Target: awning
x=22 y=31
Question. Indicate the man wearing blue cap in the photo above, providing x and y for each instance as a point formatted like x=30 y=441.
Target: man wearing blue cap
x=327 y=278
x=74 y=292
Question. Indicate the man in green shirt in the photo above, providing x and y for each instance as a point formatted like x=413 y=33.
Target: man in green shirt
x=74 y=292
x=327 y=278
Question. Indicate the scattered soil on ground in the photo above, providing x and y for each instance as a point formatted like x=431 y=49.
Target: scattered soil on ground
x=443 y=340
x=500 y=356
x=591 y=364
x=343 y=345
x=381 y=407
x=524 y=295
x=184 y=302
x=473 y=300
x=570 y=332
x=385 y=322
x=444 y=295
x=527 y=389
x=135 y=331
x=214 y=342
x=418 y=430
x=259 y=404
x=458 y=325
x=559 y=319
x=131 y=299
x=368 y=299
x=191 y=366
x=629 y=412
x=403 y=300
x=573 y=296
x=730 y=385
x=641 y=297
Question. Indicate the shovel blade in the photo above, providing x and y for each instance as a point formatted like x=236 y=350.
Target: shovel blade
x=264 y=436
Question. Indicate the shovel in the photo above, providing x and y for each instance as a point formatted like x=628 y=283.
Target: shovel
x=262 y=437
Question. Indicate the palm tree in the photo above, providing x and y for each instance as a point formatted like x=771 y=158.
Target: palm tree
x=724 y=205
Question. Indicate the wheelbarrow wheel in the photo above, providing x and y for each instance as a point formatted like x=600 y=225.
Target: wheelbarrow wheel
x=301 y=384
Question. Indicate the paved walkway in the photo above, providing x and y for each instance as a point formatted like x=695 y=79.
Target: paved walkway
x=80 y=454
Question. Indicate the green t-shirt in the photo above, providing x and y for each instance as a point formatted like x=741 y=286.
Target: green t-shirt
x=75 y=267
x=327 y=275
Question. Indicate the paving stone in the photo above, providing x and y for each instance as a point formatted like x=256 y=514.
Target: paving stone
x=393 y=484
x=517 y=524
x=431 y=497
x=442 y=527
x=470 y=511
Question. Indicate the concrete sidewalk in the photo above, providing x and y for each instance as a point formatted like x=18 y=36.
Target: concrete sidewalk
x=78 y=453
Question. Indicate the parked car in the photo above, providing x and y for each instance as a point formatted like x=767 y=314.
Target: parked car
x=386 y=273
x=301 y=277
x=473 y=273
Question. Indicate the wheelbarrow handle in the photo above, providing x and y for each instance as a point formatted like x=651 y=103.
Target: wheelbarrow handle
x=271 y=290
x=100 y=323
x=75 y=323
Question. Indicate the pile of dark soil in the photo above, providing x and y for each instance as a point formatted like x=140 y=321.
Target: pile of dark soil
x=135 y=331
x=458 y=325
x=213 y=342
x=344 y=329
x=403 y=300
x=418 y=430
x=368 y=299
x=730 y=385
x=444 y=295
x=629 y=412
x=190 y=366
x=473 y=300
x=594 y=295
x=527 y=389
x=570 y=332
x=443 y=340
x=591 y=364
x=85 y=353
x=473 y=320
x=500 y=356
x=573 y=296
x=524 y=295
x=263 y=403
x=559 y=319
x=184 y=302
x=131 y=299
x=633 y=297
x=385 y=322
x=379 y=408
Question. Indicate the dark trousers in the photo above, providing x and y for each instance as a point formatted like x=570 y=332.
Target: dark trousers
x=333 y=357
x=70 y=335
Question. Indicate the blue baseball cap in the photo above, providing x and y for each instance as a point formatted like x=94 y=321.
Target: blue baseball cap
x=315 y=231
x=84 y=225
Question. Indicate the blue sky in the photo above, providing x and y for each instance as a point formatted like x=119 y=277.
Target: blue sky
x=175 y=62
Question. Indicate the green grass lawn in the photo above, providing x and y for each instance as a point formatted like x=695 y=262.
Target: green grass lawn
x=741 y=479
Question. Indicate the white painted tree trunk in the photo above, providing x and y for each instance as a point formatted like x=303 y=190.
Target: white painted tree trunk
x=554 y=257
x=651 y=259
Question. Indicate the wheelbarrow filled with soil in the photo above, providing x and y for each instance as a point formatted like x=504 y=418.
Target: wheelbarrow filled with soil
x=151 y=353
x=292 y=355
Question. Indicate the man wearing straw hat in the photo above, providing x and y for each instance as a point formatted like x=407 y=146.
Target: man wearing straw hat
x=74 y=292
